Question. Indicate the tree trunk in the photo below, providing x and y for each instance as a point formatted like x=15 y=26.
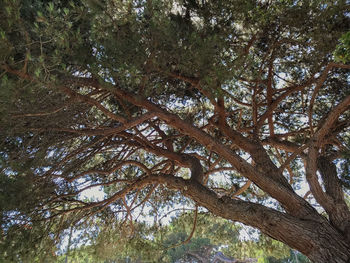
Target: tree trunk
x=315 y=238
x=329 y=248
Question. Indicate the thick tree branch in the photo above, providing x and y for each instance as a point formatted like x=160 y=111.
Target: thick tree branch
x=332 y=199
x=280 y=226
x=293 y=203
x=339 y=214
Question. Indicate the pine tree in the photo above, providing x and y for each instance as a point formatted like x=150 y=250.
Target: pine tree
x=232 y=106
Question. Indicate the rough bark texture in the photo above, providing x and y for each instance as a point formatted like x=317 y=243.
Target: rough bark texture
x=318 y=240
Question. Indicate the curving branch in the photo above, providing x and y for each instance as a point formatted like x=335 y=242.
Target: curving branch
x=282 y=192
x=268 y=220
x=332 y=199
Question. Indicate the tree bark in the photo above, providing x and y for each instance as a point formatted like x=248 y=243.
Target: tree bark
x=319 y=241
x=301 y=226
x=339 y=215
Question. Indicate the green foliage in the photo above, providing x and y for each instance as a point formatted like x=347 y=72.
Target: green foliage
x=342 y=52
x=52 y=143
x=27 y=242
x=165 y=243
x=263 y=248
x=294 y=257
x=211 y=232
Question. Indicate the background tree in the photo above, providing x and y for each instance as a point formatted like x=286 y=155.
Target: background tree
x=215 y=240
x=232 y=106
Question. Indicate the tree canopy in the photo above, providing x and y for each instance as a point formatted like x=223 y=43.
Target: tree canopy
x=215 y=240
x=230 y=106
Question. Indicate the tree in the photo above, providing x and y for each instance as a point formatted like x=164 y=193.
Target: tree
x=229 y=105
x=214 y=240
x=210 y=234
